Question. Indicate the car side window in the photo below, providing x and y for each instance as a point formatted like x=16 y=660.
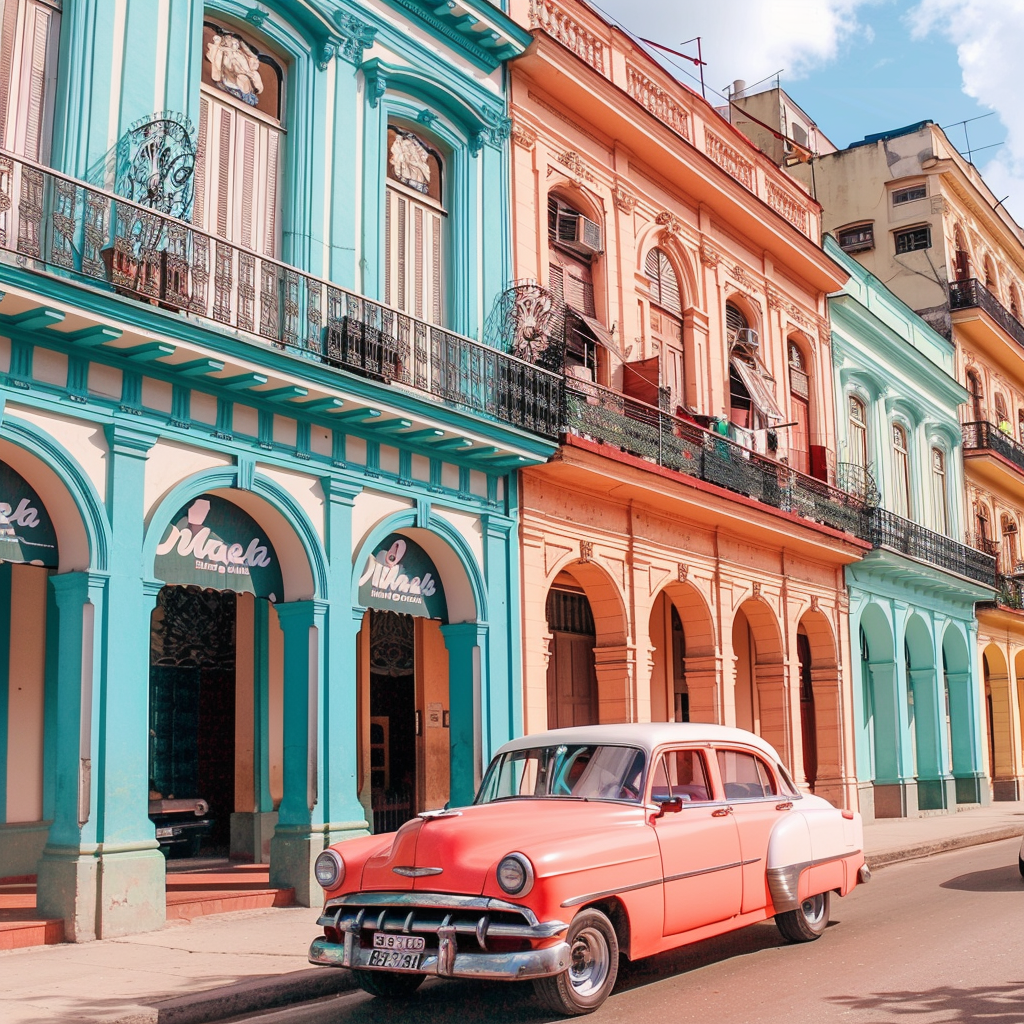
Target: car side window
x=681 y=773
x=744 y=776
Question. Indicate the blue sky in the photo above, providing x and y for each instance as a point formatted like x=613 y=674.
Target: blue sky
x=864 y=66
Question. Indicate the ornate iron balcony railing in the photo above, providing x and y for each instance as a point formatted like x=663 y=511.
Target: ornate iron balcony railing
x=892 y=531
x=611 y=418
x=1010 y=592
x=980 y=436
x=972 y=293
x=66 y=227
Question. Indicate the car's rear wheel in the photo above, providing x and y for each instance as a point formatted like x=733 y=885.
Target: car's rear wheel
x=388 y=986
x=807 y=922
x=1020 y=865
x=593 y=967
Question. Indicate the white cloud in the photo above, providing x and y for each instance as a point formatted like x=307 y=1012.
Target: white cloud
x=989 y=38
x=748 y=39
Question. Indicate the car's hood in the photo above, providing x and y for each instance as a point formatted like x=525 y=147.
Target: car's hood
x=467 y=846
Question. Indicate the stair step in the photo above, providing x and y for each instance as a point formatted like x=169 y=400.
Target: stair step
x=19 y=934
x=184 y=906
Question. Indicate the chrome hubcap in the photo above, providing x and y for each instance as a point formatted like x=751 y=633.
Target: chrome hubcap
x=590 y=962
x=813 y=909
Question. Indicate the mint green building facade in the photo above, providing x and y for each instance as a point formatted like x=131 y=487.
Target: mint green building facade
x=251 y=434
x=917 y=700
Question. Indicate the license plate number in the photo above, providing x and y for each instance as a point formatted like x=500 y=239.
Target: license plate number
x=414 y=943
x=389 y=958
x=164 y=833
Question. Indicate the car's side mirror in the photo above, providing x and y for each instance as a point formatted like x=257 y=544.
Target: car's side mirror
x=671 y=806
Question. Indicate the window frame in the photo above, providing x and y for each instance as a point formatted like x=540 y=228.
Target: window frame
x=902 y=195
x=903 y=233
x=866 y=241
x=903 y=480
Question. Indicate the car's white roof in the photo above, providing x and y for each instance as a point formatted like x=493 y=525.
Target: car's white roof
x=647 y=735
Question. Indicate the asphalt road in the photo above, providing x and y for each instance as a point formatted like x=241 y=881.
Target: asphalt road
x=929 y=941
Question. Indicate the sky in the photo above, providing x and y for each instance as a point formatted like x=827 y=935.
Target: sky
x=858 y=67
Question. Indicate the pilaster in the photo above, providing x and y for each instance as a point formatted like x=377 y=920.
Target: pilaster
x=463 y=642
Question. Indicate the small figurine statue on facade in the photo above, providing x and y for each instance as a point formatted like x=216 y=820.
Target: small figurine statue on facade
x=235 y=68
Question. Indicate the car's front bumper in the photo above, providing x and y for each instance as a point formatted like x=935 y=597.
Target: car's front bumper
x=442 y=919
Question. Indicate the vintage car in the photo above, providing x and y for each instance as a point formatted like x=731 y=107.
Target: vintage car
x=582 y=844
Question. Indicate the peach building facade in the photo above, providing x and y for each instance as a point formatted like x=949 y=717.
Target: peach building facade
x=683 y=551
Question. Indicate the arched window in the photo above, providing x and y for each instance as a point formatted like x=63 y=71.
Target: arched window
x=736 y=324
x=415 y=226
x=1015 y=302
x=800 y=408
x=981 y=538
x=1002 y=419
x=1009 y=555
x=241 y=138
x=991 y=281
x=667 y=323
x=940 y=494
x=901 y=472
x=858 y=433
x=961 y=257
x=974 y=389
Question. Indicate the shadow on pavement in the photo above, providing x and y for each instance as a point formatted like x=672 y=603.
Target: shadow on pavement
x=991 y=1004
x=1002 y=879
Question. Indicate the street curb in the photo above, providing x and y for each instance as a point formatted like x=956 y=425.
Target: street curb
x=993 y=835
x=252 y=996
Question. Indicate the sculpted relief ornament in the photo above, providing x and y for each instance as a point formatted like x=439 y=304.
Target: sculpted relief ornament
x=410 y=162
x=235 y=68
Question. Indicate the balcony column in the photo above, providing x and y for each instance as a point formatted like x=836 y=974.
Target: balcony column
x=895 y=788
x=935 y=787
x=704 y=685
x=615 y=668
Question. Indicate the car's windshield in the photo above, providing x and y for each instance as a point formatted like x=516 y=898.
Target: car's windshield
x=568 y=770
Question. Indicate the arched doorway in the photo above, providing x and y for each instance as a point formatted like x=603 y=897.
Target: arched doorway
x=215 y=683
x=761 y=698
x=572 y=675
x=29 y=554
x=821 y=707
x=964 y=728
x=404 y=683
x=1004 y=757
x=683 y=670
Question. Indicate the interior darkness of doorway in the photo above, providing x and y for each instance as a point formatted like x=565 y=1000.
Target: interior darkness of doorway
x=192 y=707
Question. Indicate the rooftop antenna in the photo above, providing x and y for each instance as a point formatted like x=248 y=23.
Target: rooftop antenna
x=698 y=61
x=967 y=138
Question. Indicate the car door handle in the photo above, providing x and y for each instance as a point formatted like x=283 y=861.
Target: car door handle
x=721 y=812
x=785 y=806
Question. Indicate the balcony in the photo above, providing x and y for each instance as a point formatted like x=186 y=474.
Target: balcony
x=66 y=228
x=888 y=530
x=971 y=296
x=982 y=438
x=605 y=416
x=1010 y=591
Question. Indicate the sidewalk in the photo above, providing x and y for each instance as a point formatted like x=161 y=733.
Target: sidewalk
x=232 y=964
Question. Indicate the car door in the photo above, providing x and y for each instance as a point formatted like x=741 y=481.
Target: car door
x=757 y=803
x=700 y=847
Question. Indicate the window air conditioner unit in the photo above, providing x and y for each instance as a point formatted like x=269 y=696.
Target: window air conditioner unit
x=578 y=233
x=746 y=338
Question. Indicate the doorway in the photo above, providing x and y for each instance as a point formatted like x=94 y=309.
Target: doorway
x=572 y=679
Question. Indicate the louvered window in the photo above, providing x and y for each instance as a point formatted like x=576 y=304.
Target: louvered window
x=415 y=227
x=901 y=472
x=29 y=35
x=858 y=433
x=664 y=283
x=240 y=141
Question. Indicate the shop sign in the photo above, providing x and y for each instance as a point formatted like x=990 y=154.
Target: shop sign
x=213 y=544
x=400 y=577
x=26 y=530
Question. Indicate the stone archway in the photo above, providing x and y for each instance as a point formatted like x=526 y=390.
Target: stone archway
x=821 y=707
x=684 y=664
x=760 y=695
x=1003 y=720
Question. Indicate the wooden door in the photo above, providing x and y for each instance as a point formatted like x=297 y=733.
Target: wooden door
x=572 y=681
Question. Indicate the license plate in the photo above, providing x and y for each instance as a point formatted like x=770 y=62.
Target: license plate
x=164 y=833
x=388 y=958
x=382 y=940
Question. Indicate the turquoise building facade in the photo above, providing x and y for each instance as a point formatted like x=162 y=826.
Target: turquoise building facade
x=917 y=700
x=260 y=542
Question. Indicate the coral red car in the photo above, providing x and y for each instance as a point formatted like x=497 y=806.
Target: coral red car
x=583 y=844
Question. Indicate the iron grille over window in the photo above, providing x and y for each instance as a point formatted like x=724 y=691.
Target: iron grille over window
x=915 y=238
x=909 y=194
x=569 y=612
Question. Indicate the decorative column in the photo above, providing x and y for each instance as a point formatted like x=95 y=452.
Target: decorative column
x=968 y=772
x=102 y=870
x=615 y=668
x=832 y=782
x=774 y=706
x=935 y=787
x=895 y=786
x=464 y=641
x=1006 y=716
x=704 y=683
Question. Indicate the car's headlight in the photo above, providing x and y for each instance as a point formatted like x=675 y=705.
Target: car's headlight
x=515 y=874
x=329 y=869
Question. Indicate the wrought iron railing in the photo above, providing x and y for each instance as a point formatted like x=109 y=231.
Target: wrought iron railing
x=981 y=436
x=972 y=293
x=639 y=429
x=63 y=226
x=858 y=480
x=892 y=531
x=1010 y=591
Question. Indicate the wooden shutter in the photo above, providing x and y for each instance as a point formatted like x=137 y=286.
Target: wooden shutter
x=28 y=42
x=36 y=36
x=199 y=204
x=8 y=28
x=414 y=253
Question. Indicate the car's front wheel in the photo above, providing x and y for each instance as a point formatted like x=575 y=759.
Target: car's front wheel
x=593 y=967
x=388 y=986
x=807 y=922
